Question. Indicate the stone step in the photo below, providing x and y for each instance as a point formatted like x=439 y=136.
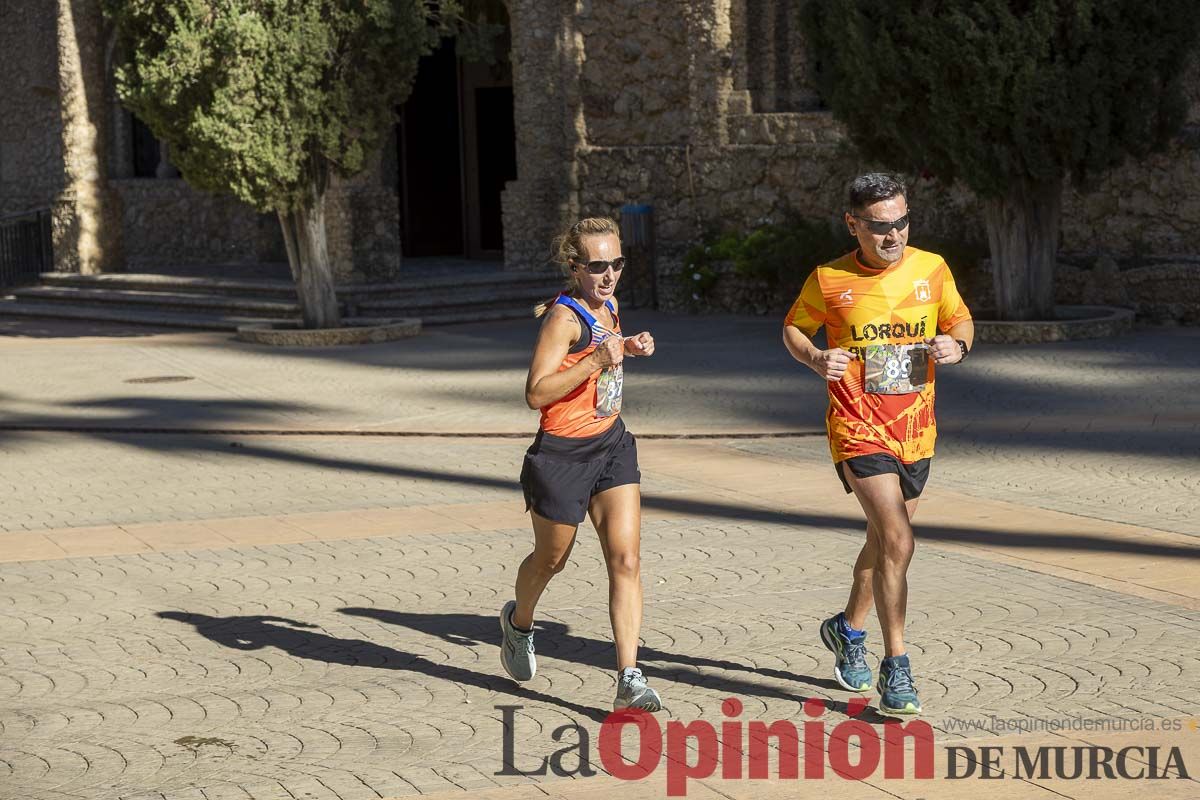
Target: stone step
x=522 y=298
x=159 y=301
x=443 y=317
x=159 y=319
x=282 y=289
x=10 y=307
x=149 y=282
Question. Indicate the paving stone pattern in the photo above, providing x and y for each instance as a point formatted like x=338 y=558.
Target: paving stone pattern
x=367 y=668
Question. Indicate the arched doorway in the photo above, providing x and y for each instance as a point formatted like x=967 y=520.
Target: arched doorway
x=457 y=150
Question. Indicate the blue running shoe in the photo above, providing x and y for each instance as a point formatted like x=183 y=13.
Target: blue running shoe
x=897 y=695
x=850 y=669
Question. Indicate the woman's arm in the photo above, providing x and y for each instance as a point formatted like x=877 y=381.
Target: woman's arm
x=545 y=383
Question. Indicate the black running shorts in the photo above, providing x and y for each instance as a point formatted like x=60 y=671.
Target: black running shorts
x=561 y=473
x=912 y=476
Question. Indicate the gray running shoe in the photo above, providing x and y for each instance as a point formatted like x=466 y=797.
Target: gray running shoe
x=632 y=692
x=516 y=649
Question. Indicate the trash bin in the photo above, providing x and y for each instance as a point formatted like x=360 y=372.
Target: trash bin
x=637 y=243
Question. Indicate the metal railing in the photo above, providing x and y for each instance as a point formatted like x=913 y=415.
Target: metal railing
x=26 y=249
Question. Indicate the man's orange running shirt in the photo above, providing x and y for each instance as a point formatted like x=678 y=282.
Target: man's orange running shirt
x=904 y=303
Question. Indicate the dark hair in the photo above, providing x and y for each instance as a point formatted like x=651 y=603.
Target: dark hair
x=873 y=187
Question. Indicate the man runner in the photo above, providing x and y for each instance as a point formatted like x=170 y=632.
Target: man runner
x=882 y=307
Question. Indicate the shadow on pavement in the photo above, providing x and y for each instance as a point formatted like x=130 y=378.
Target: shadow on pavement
x=304 y=640
x=555 y=640
x=1080 y=541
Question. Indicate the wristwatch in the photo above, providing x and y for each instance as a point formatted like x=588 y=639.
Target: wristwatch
x=965 y=352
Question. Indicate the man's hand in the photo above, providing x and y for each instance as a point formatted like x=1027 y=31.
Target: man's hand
x=944 y=349
x=609 y=352
x=831 y=364
x=640 y=345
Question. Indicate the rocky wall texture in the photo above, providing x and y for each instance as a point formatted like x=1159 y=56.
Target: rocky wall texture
x=770 y=62
x=363 y=234
x=634 y=76
x=168 y=222
x=547 y=57
x=31 y=125
x=87 y=215
x=1166 y=293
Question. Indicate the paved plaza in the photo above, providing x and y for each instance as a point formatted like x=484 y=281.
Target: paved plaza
x=229 y=571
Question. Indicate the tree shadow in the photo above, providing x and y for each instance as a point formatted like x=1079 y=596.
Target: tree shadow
x=146 y=412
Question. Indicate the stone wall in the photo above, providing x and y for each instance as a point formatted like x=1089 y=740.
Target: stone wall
x=362 y=224
x=701 y=108
x=30 y=127
x=750 y=146
x=167 y=222
x=548 y=115
x=634 y=92
x=65 y=143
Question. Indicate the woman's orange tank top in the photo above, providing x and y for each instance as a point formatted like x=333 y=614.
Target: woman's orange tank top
x=592 y=407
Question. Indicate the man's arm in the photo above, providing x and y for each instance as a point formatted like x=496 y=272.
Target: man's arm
x=829 y=364
x=944 y=347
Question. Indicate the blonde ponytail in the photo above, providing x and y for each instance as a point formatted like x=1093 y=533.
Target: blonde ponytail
x=568 y=247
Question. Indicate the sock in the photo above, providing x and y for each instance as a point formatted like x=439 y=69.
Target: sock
x=845 y=625
x=517 y=628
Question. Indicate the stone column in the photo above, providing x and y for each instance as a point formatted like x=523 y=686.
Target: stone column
x=710 y=70
x=362 y=221
x=87 y=215
x=547 y=57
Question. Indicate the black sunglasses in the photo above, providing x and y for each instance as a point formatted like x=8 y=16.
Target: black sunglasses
x=601 y=267
x=880 y=227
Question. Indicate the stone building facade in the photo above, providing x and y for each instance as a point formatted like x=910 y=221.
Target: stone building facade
x=703 y=110
x=700 y=108
x=67 y=144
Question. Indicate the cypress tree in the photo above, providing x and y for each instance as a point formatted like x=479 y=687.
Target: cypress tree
x=1012 y=98
x=268 y=99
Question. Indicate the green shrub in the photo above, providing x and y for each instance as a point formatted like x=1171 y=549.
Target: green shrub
x=781 y=254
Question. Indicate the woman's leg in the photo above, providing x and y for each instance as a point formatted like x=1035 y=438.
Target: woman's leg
x=617 y=515
x=552 y=543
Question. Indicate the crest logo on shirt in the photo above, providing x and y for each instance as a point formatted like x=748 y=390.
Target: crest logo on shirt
x=922 y=291
x=847 y=297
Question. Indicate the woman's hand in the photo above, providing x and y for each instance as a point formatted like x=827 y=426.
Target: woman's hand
x=640 y=345
x=608 y=353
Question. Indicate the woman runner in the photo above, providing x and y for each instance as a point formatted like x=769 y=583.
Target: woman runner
x=583 y=461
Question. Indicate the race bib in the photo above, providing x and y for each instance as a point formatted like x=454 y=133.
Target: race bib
x=608 y=391
x=896 y=368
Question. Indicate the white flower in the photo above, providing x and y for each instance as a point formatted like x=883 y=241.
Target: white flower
x=696 y=276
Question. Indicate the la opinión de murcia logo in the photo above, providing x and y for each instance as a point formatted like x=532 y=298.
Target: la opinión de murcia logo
x=742 y=750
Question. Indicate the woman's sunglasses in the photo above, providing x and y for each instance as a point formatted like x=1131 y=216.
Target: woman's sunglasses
x=601 y=267
x=880 y=227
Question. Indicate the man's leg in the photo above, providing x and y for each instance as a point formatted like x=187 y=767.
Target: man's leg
x=862 y=594
x=880 y=572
